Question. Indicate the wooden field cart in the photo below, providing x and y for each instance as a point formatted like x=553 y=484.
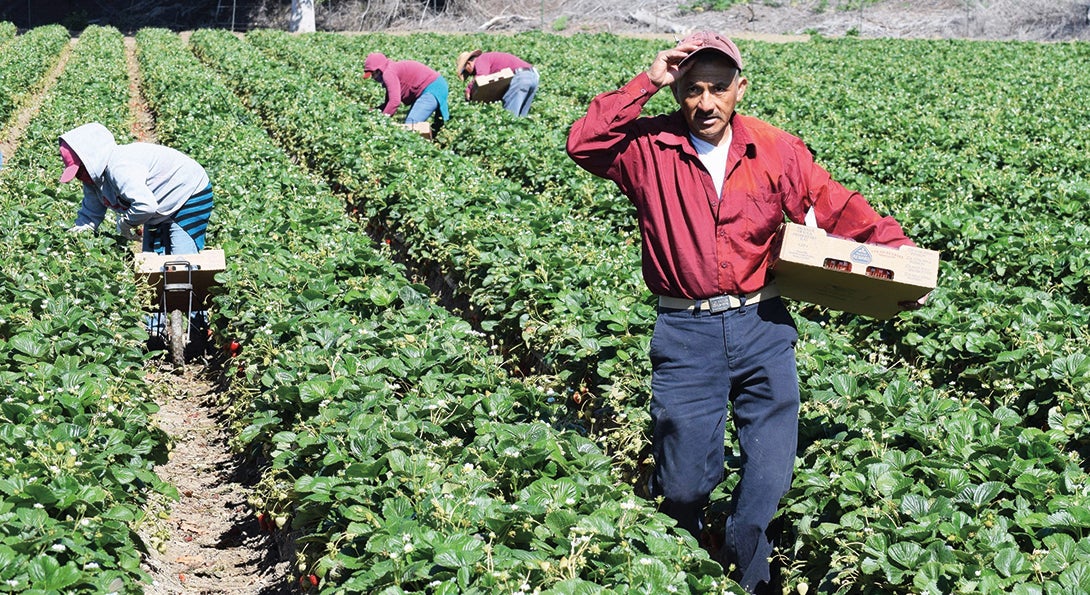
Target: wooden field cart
x=180 y=284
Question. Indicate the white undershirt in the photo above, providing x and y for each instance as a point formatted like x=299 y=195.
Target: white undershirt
x=714 y=158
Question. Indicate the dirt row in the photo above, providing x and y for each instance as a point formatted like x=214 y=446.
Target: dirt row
x=208 y=541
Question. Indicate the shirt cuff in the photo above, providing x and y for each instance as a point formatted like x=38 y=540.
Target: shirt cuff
x=641 y=86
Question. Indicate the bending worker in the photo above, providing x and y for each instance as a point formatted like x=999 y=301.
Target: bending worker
x=711 y=187
x=413 y=83
x=520 y=93
x=148 y=185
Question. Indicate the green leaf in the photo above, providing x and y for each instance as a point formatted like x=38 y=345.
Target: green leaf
x=915 y=506
x=854 y=482
x=906 y=554
x=46 y=573
x=1010 y=562
x=576 y=586
x=1076 y=578
x=30 y=345
x=1074 y=367
x=560 y=521
x=381 y=296
x=982 y=494
x=845 y=385
x=457 y=551
x=599 y=524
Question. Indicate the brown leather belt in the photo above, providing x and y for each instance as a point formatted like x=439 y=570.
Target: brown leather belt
x=719 y=303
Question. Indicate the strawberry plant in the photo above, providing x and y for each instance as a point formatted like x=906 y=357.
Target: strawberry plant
x=78 y=443
x=24 y=62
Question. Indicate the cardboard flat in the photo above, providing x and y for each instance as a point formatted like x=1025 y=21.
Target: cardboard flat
x=811 y=266
x=491 y=87
x=421 y=128
x=151 y=267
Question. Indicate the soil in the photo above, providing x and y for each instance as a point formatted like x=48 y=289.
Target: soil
x=208 y=541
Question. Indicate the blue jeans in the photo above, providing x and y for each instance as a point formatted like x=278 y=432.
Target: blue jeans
x=434 y=98
x=520 y=94
x=701 y=363
x=174 y=239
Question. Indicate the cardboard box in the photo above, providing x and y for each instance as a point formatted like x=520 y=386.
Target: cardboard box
x=868 y=279
x=491 y=87
x=421 y=128
x=151 y=268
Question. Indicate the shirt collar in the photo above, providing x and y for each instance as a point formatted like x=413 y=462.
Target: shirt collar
x=676 y=134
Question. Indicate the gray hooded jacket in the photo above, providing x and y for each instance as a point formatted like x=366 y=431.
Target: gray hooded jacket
x=142 y=182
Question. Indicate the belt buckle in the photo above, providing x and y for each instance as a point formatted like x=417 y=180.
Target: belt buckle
x=719 y=303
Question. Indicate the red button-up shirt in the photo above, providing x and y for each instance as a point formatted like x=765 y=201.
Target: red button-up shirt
x=697 y=244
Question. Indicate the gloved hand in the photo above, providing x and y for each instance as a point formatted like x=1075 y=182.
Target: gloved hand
x=81 y=228
x=127 y=231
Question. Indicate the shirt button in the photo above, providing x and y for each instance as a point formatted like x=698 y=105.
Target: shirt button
x=723 y=265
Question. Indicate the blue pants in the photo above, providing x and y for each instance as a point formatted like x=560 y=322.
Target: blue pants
x=701 y=363
x=520 y=94
x=184 y=232
x=432 y=100
x=169 y=238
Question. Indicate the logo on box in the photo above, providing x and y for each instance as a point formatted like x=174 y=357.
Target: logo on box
x=861 y=255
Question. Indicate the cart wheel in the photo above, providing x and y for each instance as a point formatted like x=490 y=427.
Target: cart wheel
x=177 y=337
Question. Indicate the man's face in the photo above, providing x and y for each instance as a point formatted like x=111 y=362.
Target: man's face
x=707 y=94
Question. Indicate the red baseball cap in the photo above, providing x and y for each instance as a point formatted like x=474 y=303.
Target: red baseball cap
x=72 y=163
x=712 y=41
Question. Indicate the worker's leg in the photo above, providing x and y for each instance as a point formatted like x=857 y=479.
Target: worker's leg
x=690 y=386
x=155 y=238
x=766 y=410
x=520 y=95
x=422 y=109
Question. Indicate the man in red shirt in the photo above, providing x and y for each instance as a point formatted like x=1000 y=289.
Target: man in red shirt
x=520 y=93
x=711 y=188
x=408 y=81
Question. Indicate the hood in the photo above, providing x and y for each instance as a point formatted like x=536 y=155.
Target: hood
x=376 y=61
x=93 y=143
